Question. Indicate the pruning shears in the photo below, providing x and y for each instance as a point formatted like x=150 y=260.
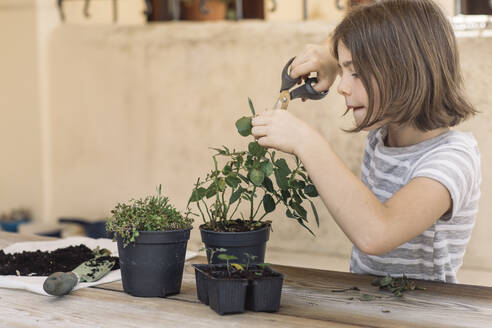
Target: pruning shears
x=305 y=91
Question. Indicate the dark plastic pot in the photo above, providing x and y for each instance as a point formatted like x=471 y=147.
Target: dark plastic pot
x=93 y=229
x=264 y=293
x=237 y=244
x=153 y=266
x=227 y=295
x=201 y=278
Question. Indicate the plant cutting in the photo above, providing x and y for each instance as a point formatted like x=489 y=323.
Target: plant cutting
x=241 y=190
x=152 y=237
x=234 y=287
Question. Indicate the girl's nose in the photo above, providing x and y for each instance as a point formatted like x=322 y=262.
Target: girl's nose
x=344 y=87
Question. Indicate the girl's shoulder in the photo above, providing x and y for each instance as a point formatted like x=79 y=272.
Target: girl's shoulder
x=452 y=139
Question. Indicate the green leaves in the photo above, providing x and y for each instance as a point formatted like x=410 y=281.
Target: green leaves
x=256 y=176
x=311 y=191
x=251 y=106
x=236 y=195
x=225 y=257
x=247 y=176
x=232 y=180
x=256 y=150
x=267 y=167
x=268 y=203
x=243 y=126
x=153 y=213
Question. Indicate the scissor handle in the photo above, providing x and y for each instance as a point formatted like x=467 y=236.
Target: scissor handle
x=307 y=91
x=304 y=91
x=287 y=81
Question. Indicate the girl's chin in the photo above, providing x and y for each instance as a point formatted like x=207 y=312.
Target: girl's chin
x=359 y=114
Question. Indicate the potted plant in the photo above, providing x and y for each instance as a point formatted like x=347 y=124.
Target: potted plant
x=255 y=178
x=152 y=237
x=232 y=287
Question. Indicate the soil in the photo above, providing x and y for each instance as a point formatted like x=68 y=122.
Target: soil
x=254 y=272
x=40 y=263
x=235 y=225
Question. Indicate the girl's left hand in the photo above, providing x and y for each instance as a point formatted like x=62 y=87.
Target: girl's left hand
x=281 y=130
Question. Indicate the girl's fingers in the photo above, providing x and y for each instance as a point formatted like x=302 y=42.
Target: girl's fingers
x=304 y=69
x=265 y=142
x=259 y=131
x=262 y=119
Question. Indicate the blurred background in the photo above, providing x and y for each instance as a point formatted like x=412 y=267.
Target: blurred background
x=103 y=100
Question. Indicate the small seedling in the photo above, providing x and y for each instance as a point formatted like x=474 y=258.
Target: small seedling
x=212 y=252
x=227 y=258
x=250 y=258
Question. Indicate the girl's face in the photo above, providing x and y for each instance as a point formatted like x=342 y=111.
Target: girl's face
x=352 y=88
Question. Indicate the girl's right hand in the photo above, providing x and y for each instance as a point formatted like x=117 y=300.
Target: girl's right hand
x=316 y=58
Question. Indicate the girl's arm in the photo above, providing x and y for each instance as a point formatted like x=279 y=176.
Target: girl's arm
x=374 y=227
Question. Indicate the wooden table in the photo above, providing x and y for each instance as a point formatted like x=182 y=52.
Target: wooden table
x=308 y=300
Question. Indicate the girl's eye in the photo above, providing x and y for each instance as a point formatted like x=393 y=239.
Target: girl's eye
x=355 y=75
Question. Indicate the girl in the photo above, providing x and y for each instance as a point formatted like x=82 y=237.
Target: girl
x=414 y=210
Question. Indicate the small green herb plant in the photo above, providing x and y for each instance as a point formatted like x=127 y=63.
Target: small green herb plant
x=256 y=177
x=154 y=213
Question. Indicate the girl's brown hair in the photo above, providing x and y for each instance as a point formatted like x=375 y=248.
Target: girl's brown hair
x=408 y=48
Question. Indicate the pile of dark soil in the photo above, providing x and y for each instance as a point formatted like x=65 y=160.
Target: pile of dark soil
x=40 y=263
x=235 y=225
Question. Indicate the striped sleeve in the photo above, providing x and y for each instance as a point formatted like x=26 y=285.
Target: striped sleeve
x=457 y=167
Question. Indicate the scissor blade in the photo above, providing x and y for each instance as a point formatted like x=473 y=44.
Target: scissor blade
x=277 y=104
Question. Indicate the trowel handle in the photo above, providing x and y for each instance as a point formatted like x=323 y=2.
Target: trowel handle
x=60 y=283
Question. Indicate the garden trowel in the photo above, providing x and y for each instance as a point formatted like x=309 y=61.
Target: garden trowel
x=62 y=283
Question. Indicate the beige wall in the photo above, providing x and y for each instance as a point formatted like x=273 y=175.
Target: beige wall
x=110 y=112
x=20 y=159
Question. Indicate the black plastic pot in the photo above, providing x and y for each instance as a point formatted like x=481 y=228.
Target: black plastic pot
x=237 y=244
x=153 y=266
x=264 y=293
x=201 y=278
x=227 y=295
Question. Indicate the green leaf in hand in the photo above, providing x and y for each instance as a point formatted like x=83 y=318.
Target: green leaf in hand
x=243 y=126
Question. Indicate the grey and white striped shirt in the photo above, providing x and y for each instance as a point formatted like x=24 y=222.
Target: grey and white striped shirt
x=452 y=159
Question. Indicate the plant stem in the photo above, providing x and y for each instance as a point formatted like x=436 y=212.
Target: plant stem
x=208 y=212
x=251 y=216
x=234 y=212
x=225 y=208
x=258 y=208
x=201 y=212
x=216 y=185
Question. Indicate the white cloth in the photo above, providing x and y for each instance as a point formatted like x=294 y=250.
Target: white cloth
x=35 y=284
